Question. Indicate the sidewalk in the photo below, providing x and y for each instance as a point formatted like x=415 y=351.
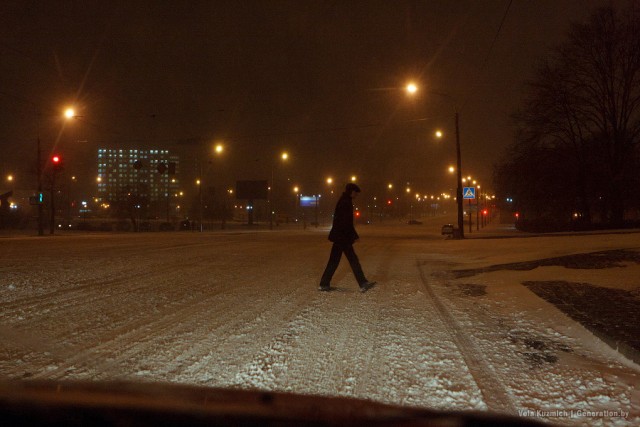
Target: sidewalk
x=610 y=313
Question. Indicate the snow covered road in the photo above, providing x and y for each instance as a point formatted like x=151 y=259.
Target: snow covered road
x=241 y=309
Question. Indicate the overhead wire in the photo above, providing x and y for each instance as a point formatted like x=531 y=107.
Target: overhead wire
x=487 y=56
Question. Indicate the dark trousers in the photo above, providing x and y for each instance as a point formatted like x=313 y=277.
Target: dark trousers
x=334 y=259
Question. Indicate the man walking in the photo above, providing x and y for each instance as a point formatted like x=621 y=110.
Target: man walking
x=343 y=235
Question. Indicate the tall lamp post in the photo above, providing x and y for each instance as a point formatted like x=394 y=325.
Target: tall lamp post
x=284 y=157
x=411 y=88
x=68 y=114
x=218 y=150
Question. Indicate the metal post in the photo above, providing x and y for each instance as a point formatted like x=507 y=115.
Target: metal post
x=459 y=190
x=477 y=209
x=271 y=201
x=52 y=203
x=470 y=221
x=39 y=172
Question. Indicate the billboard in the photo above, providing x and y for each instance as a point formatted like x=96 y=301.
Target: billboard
x=308 y=202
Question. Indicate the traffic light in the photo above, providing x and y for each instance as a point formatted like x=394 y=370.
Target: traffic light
x=56 y=161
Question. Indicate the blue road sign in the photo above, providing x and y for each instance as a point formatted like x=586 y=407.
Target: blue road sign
x=469 y=193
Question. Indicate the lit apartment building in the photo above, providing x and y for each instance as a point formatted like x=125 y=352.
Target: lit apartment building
x=150 y=176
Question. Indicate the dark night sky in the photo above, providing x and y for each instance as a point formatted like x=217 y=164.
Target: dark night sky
x=321 y=79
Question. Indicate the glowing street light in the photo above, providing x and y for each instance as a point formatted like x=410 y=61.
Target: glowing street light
x=219 y=148
x=452 y=169
x=69 y=113
x=284 y=156
x=411 y=90
x=438 y=134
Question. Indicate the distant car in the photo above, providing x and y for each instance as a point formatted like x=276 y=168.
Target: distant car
x=447 y=230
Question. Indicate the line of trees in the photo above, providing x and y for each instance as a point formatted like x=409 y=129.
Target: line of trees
x=575 y=159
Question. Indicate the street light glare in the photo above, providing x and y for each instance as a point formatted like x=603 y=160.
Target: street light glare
x=452 y=169
x=69 y=113
x=412 y=88
x=219 y=148
x=438 y=134
x=285 y=156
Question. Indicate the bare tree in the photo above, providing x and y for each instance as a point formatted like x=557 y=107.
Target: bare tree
x=584 y=105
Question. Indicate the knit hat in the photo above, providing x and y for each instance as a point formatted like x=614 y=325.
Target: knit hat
x=352 y=187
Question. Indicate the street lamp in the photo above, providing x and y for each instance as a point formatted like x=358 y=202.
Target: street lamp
x=218 y=149
x=284 y=156
x=411 y=90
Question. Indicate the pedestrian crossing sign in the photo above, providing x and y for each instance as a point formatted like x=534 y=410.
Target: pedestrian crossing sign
x=469 y=193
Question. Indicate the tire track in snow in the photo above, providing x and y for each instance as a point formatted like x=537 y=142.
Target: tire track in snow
x=145 y=336
x=222 y=338
x=495 y=395
x=83 y=293
x=109 y=305
x=213 y=327
x=127 y=341
x=237 y=340
x=302 y=355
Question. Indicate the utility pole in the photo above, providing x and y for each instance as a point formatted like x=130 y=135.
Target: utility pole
x=459 y=190
x=40 y=207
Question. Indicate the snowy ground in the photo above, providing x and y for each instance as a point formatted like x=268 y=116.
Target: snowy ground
x=241 y=309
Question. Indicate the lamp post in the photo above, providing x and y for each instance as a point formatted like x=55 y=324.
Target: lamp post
x=411 y=88
x=296 y=202
x=284 y=157
x=218 y=149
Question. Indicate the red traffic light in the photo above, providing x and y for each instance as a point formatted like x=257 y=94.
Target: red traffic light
x=55 y=159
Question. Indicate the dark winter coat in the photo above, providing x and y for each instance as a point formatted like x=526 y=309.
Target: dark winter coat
x=343 y=230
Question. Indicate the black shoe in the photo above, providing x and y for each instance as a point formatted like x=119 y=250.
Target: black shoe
x=324 y=288
x=364 y=287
